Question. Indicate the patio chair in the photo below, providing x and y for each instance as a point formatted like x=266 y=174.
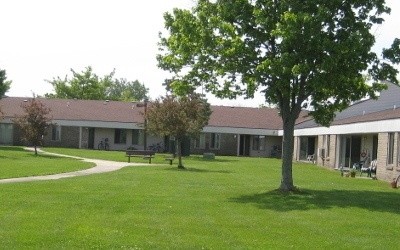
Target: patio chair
x=310 y=158
x=371 y=169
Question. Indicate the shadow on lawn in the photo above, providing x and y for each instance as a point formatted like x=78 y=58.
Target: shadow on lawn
x=6 y=148
x=197 y=170
x=200 y=158
x=24 y=155
x=321 y=199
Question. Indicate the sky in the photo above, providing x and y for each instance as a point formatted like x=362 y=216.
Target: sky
x=43 y=39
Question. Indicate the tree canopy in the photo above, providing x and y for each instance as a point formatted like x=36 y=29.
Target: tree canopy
x=299 y=54
x=124 y=90
x=89 y=86
x=4 y=83
x=178 y=117
x=34 y=122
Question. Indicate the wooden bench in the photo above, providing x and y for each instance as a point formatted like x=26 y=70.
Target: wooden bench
x=146 y=154
x=170 y=159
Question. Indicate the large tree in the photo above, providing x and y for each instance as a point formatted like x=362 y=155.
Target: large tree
x=34 y=123
x=298 y=53
x=124 y=90
x=87 y=85
x=178 y=117
x=4 y=83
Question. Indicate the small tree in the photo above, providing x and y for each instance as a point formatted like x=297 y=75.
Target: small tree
x=34 y=122
x=178 y=117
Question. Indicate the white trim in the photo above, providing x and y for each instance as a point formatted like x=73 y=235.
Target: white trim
x=246 y=131
x=392 y=125
x=98 y=124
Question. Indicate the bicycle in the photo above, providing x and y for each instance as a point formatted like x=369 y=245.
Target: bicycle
x=396 y=182
x=103 y=145
x=156 y=147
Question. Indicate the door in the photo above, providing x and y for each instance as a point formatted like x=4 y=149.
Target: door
x=91 y=138
x=374 y=147
x=311 y=146
x=350 y=148
x=244 y=145
x=355 y=149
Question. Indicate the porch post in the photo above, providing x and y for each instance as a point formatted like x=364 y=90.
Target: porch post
x=238 y=145
x=80 y=137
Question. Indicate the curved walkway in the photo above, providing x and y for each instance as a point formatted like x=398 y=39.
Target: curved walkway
x=101 y=166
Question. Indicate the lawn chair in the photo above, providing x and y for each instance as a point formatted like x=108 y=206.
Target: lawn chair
x=371 y=169
x=310 y=158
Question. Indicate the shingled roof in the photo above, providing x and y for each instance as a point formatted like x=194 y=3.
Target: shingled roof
x=244 y=117
x=366 y=110
x=389 y=114
x=130 y=112
x=78 y=110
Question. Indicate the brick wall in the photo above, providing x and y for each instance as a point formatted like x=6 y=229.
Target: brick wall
x=69 y=138
x=384 y=171
x=331 y=161
x=317 y=154
x=296 y=149
x=228 y=145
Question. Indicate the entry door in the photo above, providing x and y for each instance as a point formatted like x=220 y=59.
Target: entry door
x=244 y=145
x=350 y=148
x=91 y=138
x=374 y=147
x=355 y=149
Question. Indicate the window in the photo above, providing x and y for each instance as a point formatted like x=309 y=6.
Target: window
x=200 y=142
x=137 y=137
x=120 y=136
x=55 y=133
x=259 y=142
x=307 y=147
x=215 y=141
x=390 y=153
x=6 y=133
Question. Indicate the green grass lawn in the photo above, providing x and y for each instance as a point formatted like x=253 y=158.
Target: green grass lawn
x=17 y=162
x=228 y=203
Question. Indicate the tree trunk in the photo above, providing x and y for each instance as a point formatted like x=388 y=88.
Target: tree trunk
x=287 y=156
x=179 y=151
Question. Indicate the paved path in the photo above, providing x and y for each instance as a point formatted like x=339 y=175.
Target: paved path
x=101 y=166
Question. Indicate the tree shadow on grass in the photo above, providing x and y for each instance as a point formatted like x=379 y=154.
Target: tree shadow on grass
x=7 y=148
x=217 y=159
x=197 y=170
x=324 y=199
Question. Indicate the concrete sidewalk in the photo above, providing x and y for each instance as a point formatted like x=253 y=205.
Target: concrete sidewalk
x=101 y=166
